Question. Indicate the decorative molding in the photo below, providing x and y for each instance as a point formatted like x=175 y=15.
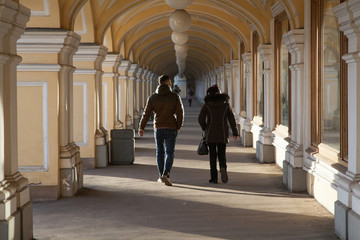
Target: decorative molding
x=41 y=41
x=277 y=8
x=45 y=166
x=85 y=135
x=38 y=68
x=85 y=71
x=42 y=13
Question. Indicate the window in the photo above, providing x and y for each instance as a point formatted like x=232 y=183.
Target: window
x=258 y=78
x=282 y=83
x=329 y=80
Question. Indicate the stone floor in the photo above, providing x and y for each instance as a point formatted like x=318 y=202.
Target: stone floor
x=126 y=202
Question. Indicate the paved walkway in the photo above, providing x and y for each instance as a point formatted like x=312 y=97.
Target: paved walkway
x=126 y=202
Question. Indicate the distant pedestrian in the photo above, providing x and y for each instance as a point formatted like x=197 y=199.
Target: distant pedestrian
x=168 y=119
x=190 y=94
x=214 y=117
x=177 y=89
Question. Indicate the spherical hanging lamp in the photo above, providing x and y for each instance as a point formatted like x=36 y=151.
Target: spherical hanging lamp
x=179 y=37
x=178 y=4
x=180 y=21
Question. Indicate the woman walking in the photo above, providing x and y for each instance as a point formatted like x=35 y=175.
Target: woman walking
x=213 y=119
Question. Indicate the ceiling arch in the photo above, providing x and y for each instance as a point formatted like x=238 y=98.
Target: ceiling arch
x=139 y=29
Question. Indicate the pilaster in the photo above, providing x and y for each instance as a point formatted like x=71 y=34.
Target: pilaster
x=348 y=205
x=111 y=68
x=264 y=148
x=133 y=114
x=228 y=80
x=88 y=61
x=246 y=134
x=124 y=82
x=294 y=175
x=236 y=91
x=139 y=96
x=221 y=78
x=15 y=205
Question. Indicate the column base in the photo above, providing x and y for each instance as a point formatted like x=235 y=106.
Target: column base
x=136 y=123
x=71 y=171
x=10 y=228
x=353 y=225
x=296 y=178
x=246 y=138
x=27 y=221
x=129 y=122
x=101 y=156
x=285 y=172
x=341 y=220
x=265 y=153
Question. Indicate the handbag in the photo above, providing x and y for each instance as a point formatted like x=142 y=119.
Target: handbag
x=203 y=147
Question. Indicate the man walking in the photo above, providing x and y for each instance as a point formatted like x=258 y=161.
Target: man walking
x=166 y=105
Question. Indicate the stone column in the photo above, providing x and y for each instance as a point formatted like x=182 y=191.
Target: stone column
x=132 y=111
x=236 y=91
x=294 y=177
x=246 y=134
x=88 y=61
x=71 y=167
x=139 y=95
x=347 y=207
x=228 y=80
x=123 y=82
x=15 y=205
x=264 y=148
x=143 y=89
x=116 y=61
x=221 y=79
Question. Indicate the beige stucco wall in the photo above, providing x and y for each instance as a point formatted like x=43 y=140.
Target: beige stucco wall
x=38 y=107
x=87 y=145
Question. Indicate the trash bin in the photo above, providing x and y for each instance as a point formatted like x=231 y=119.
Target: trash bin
x=122 y=146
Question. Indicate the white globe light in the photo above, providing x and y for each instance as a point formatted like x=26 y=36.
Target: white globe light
x=181 y=48
x=178 y=4
x=180 y=21
x=179 y=37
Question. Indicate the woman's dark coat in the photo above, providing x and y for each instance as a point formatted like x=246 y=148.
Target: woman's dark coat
x=214 y=117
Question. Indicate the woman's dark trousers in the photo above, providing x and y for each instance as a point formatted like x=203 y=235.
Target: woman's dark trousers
x=217 y=150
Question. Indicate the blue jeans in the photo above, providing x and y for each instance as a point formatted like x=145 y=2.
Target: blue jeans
x=165 y=140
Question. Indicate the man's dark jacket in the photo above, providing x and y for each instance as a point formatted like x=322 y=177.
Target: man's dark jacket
x=168 y=108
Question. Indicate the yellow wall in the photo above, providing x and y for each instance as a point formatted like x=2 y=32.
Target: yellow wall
x=31 y=125
x=47 y=14
x=87 y=146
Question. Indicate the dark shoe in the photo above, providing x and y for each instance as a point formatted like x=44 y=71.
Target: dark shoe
x=224 y=176
x=213 y=181
x=166 y=180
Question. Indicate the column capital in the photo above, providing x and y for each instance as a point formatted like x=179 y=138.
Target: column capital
x=139 y=73
x=112 y=62
x=132 y=70
x=91 y=53
x=124 y=67
x=265 y=51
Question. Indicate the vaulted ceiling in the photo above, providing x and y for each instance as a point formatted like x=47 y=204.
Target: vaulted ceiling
x=139 y=29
